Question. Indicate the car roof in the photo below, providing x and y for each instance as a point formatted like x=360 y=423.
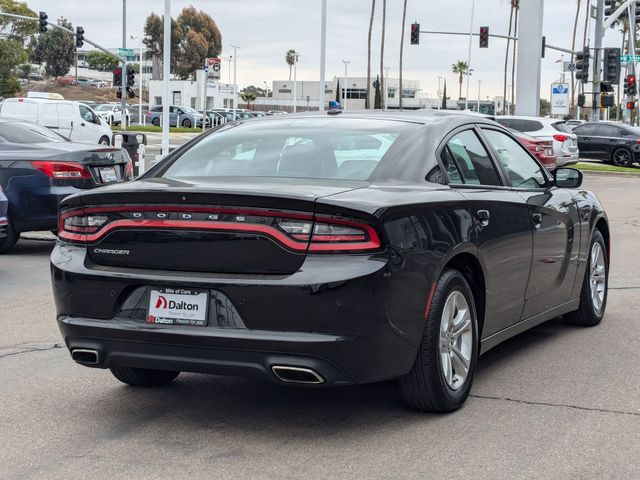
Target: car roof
x=538 y=119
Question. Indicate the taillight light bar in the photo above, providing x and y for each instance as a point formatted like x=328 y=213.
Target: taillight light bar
x=296 y=231
x=61 y=170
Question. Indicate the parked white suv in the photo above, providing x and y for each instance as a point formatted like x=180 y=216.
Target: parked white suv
x=111 y=113
x=565 y=142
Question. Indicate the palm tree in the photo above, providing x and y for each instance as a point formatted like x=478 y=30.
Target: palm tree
x=290 y=58
x=462 y=69
x=513 y=54
x=573 y=47
x=384 y=20
x=404 y=18
x=373 y=11
x=248 y=97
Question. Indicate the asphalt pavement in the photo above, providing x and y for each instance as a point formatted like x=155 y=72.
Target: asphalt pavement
x=558 y=402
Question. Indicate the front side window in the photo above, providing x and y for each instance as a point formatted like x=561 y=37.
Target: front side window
x=466 y=161
x=87 y=115
x=522 y=170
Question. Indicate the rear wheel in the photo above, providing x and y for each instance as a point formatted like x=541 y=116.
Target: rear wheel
x=155 y=122
x=142 y=377
x=104 y=141
x=622 y=157
x=186 y=123
x=593 y=296
x=8 y=242
x=441 y=377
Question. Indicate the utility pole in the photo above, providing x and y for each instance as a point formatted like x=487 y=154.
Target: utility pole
x=386 y=87
x=235 y=79
x=479 y=84
x=439 y=92
x=295 y=81
x=123 y=98
x=166 y=73
x=323 y=53
x=597 y=58
x=346 y=80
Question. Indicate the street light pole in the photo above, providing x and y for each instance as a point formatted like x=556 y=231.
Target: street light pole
x=166 y=72
x=479 y=83
x=295 y=81
x=386 y=87
x=466 y=100
x=235 y=79
x=439 y=92
x=140 y=118
x=346 y=80
x=323 y=53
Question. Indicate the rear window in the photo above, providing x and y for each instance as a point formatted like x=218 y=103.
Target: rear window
x=333 y=148
x=18 y=132
x=562 y=127
x=520 y=124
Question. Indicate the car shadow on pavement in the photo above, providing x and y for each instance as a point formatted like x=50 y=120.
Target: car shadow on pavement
x=31 y=247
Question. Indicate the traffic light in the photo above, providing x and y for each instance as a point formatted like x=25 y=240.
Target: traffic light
x=117 y=76
x=484 y=37
x=607 y=101
x=415 y=33
x=582 y=100
x=582 y=65
x=610 y=6
x=131 y=77
x=637 y=14
x=79 y=37
x=630 y=85
x=612 y=65
x=631 y=105
x=43 y=22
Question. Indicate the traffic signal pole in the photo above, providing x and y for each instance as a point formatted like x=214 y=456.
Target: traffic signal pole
x=597 y=58
x=123 y=97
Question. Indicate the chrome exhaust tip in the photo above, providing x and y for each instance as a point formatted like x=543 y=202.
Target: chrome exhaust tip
x=296 y=375
x=85 y=357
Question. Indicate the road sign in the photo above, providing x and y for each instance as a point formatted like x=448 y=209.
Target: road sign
x=213 y=67
x=629 y=58
x=559 y=99
x=125 y=52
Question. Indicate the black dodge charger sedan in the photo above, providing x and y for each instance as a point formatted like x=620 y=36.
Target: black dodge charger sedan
x=610 y=142
x=329 y=249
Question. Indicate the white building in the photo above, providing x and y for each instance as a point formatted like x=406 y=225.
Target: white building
x=192 y=93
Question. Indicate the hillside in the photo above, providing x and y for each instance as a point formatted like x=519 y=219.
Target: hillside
x=74 y=92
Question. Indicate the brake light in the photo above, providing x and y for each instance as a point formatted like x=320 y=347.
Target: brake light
x=61 y=170
x=128 y=173
x=295 y=231
x=638 y=141
x=560 y=137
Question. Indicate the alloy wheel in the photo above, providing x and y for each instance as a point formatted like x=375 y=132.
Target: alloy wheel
x=622 y=158
x=456 y=340
x=597 y=277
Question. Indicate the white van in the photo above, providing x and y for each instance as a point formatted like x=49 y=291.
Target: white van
x=73 y=120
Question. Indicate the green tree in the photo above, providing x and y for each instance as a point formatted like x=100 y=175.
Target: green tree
x=25 y=70
x=154 y=42
x=248 y=97
x=461 y=69
x=13 y=34
x=104 y=62
x=290 y=59
x=56 y=49
x=257 y=91
x=545 y=107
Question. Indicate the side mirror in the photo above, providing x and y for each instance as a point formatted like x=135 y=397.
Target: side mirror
x=567 y=177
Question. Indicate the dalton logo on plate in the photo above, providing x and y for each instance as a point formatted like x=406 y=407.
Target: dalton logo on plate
x=177 y=307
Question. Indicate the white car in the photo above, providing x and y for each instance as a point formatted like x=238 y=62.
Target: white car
x=112 y=113
x=73 y=120
x=565 y=142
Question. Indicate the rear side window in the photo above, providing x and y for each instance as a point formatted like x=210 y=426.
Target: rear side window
x=27 y=133
x=520 y=124
x=467 y=161
x=562 y=127
x=608 y=131
x=586 y=129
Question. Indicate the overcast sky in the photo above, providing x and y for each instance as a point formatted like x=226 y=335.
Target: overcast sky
x=265 y=29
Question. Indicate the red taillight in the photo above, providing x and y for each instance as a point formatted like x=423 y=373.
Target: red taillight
x=560 y=137
x=128 y=173
x=61 y=170
x=296 y=231
x=638 y=141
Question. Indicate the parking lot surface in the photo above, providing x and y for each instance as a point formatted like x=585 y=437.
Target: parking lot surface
x=556 y=402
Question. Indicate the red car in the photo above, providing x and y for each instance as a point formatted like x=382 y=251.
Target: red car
x=542 y=149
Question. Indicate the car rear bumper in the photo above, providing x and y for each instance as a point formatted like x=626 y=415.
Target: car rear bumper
x=567 y=159
x=37 y=209
x=329 y=317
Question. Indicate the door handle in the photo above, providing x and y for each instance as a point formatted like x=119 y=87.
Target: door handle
x=483 y=216
x=537 y=219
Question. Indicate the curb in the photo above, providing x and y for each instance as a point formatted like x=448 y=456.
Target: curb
x=604 y=173
x=42 y=236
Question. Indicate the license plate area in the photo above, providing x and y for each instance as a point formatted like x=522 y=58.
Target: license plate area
x=108 y=174
x=178 y=306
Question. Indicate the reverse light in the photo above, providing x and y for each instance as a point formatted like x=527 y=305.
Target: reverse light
x=61 y=170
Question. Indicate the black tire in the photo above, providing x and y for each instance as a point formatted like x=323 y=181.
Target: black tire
x=8 y=242
x=622 y=157
x=104 y=141
x=155 y=122
x=142 y=377
x=587 y=314
x=424 y=387
x=186 y=123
